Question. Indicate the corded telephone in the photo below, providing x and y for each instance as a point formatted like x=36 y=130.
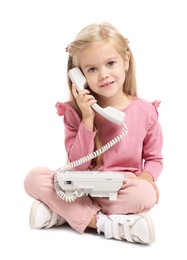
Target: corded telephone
x=71 y=184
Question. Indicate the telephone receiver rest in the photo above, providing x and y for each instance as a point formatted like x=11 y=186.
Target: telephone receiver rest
x=110 y=113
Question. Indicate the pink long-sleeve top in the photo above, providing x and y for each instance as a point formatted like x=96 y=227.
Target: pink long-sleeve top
x=140 y=150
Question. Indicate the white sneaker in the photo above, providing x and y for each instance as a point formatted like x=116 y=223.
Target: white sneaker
x=42 y=217
x=133 y=228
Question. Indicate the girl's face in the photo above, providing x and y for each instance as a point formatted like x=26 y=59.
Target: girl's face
x=104 y=70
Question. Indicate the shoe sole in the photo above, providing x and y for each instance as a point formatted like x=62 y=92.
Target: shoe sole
x=33 y=214
x=150 y=228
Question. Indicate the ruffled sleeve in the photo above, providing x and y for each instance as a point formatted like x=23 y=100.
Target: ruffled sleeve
x=61 y=108
x=154 y=113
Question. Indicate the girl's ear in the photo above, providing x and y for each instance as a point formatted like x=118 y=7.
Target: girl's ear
x=126 y=62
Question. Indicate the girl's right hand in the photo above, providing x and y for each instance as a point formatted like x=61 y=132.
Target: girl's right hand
x=85 y=101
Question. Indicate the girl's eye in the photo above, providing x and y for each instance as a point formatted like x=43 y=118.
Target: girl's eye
x=91 y=69
x=111 y=63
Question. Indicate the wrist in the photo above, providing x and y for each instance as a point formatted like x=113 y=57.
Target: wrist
x=147 y=176
x=88 y=123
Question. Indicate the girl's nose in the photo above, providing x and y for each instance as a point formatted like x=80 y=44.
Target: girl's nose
x=104 y=76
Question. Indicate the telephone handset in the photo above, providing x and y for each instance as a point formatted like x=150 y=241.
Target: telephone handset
x=112 y=114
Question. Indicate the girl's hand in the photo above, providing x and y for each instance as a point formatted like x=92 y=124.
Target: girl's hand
x=148 y=177
x=85 y=101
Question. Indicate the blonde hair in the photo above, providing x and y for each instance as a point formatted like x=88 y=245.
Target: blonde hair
x=90 y=36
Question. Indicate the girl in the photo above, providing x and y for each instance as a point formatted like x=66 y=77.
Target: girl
x=104 y=57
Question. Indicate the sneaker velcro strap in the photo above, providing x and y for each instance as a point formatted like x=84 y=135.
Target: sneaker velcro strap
x=121 y=229
x=116 y=229
x=126 y=231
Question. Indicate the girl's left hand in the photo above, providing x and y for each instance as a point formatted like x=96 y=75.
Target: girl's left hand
x=148 y=177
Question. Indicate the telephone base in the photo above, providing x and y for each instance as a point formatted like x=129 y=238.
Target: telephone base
x=93 y=183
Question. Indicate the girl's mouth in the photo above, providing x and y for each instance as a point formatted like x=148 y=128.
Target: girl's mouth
x=107 y=84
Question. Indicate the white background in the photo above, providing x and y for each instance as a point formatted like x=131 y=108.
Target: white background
x=33 y=37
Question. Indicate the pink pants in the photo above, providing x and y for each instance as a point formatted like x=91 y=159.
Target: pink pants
x=135 y=196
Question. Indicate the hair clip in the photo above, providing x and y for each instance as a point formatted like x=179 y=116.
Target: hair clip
x=127 y=40
x=67 y=48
